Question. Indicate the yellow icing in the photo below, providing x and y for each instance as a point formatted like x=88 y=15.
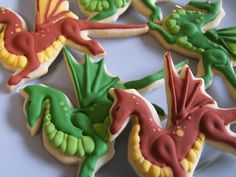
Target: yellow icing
x=42 y=9
x=143 y=166
x=21 y=61
x=154 y=171
x=18 y=61
x=18 y=30
x=42 y=57
x=52 y=6
x=188 y=162
x=62 y=39
x=179 y=132
x=49 y=52
x=150 y=170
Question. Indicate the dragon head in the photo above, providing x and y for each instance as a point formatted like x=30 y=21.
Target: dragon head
x=32 y=108
x=213 y=12
x=7 y=16
x=121 y=110
x=205 y=5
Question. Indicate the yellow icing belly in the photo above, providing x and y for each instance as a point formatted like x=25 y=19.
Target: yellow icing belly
x=20 y=61
x=49 y=52
x=142 y=165
x=12 y=60
x=192 y=156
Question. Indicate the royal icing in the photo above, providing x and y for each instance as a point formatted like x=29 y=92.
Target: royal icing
x=184 y=31
x=193 y=117
x=148 y=8
x=80 y=131
x=100 y=10
x=26 y=52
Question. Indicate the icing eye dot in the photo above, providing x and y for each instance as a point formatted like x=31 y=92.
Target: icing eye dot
x=117 y=108
x=18 y=30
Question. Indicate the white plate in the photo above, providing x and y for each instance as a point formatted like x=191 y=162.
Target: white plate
x=24 y=156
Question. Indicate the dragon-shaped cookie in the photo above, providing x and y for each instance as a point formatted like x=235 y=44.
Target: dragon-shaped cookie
x=79 y=135
x=193 y=120
x=191 y=31
x=29 y=54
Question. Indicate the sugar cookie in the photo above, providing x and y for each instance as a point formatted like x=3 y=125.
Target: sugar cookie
x=193 y=120
x=29 y=54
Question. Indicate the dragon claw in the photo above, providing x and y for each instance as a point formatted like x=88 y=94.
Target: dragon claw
x=14 y=80
x=156 y=15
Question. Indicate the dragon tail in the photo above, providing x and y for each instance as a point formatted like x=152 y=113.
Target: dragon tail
x=152 y=81
x=225 y=37
x=106 y=30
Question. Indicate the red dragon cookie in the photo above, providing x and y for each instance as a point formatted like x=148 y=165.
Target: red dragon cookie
x=29 y=54
x=193 y=120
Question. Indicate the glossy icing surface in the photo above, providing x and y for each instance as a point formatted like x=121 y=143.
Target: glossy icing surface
x=22 y=146
x=193 y=115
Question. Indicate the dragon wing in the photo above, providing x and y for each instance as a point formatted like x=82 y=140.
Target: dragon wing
x=187 y=93
x=49 y=12
x=225 y=37
x=90 y=79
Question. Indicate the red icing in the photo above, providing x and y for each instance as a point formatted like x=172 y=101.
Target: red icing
x=190 y=112
x=29 y=43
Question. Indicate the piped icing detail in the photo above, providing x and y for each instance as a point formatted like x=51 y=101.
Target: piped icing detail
x=82 y=131
x=55 y=25
x=191 y=31
x=193 y=118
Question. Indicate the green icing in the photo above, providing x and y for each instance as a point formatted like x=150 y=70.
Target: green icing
x=103 y=8
x=144 y=82
x=156 y=14
x=80 y=131
x=184 y=28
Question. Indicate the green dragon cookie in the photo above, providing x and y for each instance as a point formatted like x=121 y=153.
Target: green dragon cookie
x=191 y=31
x=79 y=135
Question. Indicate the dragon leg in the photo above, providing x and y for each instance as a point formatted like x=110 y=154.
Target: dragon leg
x=105 y=13
x=218 y=59
x=228 y=71
x=208 y=74
x=214 y=129
x=156 y=14
x=33 y=61
x=165 y=149
x=72 y=31
x=167 y=36
x=101 y=147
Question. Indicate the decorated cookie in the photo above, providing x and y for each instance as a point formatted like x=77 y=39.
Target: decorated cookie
x=193 y=120
x=191 y=31
x=79 y=135
x=29 y=54
x=110 y=10
x=103 y=10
